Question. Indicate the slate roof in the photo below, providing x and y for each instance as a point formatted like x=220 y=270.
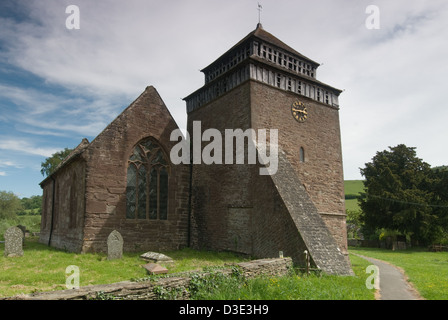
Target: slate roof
x=263 y=35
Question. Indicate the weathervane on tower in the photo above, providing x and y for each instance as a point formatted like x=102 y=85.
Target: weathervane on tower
x=259 y=14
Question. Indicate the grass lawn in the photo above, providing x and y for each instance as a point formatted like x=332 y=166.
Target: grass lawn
x=428 y=271
x=42 y=268
x=296 y=287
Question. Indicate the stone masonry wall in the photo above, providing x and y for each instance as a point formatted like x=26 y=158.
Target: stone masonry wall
x=236 y=209
x=221 y=199
x=274 y=229
x=321 y=173
x=320 y=243
x=106 y=178
x=62 y=221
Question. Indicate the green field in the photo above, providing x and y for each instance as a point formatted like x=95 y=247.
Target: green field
x=352 y=188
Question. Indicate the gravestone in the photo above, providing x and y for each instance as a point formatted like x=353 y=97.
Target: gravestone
x=154 y=268
x=114 y=245
x=156 y=257
x=13 y=242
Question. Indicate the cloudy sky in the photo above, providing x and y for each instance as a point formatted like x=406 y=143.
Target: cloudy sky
x=59 y=85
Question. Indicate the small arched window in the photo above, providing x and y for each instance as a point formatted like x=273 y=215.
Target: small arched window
x=147 y=182
x=302 y=154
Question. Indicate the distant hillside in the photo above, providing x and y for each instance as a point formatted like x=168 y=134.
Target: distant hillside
x=352 y=189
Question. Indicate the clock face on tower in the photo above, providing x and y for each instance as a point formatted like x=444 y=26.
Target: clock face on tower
x=299 y=111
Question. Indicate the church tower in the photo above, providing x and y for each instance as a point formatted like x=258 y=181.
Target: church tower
x=262 y=83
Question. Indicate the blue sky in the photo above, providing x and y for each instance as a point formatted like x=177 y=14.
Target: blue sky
x=60 y=85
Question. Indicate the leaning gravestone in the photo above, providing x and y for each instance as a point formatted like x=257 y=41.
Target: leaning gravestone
x=114 y=245
x=13 y=242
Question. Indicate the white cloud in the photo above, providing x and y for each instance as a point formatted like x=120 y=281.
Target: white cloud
x=50 y=114
x=24 y=146
x=3 y=173
x=31 y=101
x=393 y=78
x=8 y=163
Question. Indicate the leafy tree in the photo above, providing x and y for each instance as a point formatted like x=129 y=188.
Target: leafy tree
x=399 y=193
x=440 y=202
x=9 y=205
x=51 y=163
x=32 y=205
x=354 y=224
x=33 y=202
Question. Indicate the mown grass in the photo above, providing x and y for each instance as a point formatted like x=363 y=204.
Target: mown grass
x=296 y=286
x=427 y=271
x=43 y=268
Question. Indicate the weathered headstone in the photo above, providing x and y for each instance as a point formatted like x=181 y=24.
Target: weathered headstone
x=13 y=242
x=156 y=257
x=114 y=245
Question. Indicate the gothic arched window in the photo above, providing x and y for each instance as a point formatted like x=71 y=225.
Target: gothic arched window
x=147 y=182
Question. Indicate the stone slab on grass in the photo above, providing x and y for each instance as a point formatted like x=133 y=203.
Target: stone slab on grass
x=154 y=268
x=156 y=257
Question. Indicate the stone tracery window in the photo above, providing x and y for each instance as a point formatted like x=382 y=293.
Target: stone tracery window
x=147 y=182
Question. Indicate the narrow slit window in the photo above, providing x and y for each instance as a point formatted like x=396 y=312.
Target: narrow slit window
x=302 y=154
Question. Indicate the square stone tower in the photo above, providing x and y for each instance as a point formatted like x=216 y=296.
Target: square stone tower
x=263 y=84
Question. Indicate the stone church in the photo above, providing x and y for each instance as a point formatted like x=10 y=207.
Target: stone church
x=124 y=179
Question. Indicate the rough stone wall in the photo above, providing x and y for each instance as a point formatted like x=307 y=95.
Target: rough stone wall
x=45 y=223
x=63 y=220
x=106 y=178
x=221 y=192
x=274 y=229
x=321 y=173
x=234 y=208
x=145 y=290
x=320 y=244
